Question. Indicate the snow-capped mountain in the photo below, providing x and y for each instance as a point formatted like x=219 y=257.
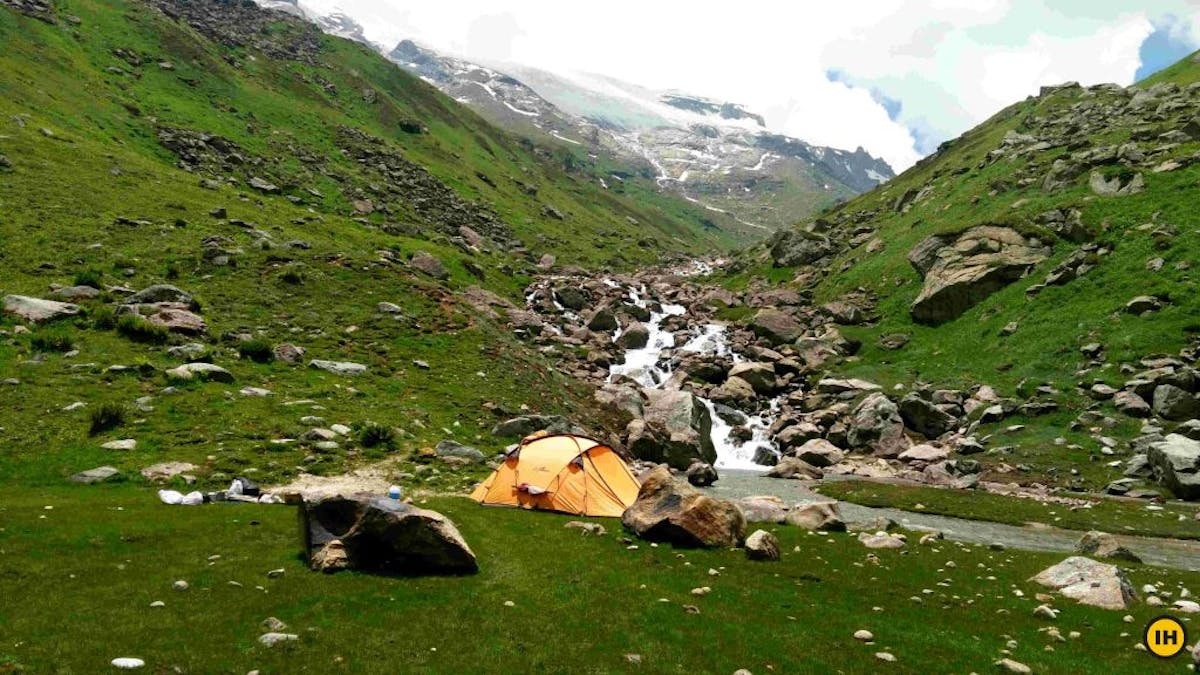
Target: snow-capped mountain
x=713 y=153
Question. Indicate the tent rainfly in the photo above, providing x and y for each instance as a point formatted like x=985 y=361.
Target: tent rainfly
x=565 y=473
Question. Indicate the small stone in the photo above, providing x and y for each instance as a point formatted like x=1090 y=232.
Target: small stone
x=272 y=639
x=181 y=585
x=1045 y=612
x=1011 y=666
x=123 y=444
x=158 y=604
x=128 y=663
x=864 y=635
x=276 y=573
x=273 y=625
x=886 y=656
x=509 y=603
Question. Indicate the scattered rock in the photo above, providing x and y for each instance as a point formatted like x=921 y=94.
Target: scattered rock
x=201 y=371
x=450 y=448
x=272 y=639
x=97 y=475
x=123 y=444
x=430 y=265
x=817 y=517
x=38 y=310
x=1102 y=545
x=338 y=367
x=762 y=545
x=701 y=474
x=166 y=470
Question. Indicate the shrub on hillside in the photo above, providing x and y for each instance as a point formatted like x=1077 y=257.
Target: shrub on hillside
x=52 y=340
x=107 y=416
x=103 y=317
x=89 y=277
x=257 y=350
x=138 y=329
x=372 y=435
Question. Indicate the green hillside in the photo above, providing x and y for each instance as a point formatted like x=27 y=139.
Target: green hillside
x=133 y=143
x=1030 y=171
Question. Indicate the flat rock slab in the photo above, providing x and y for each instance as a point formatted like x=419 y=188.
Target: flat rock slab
x=97 y=475
x=1089 y=582
x=38 y=310
x=201 y=371
x=338 y=367
x=166 y=470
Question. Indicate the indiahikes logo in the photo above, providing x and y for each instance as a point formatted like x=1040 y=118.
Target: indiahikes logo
x=1165 y=637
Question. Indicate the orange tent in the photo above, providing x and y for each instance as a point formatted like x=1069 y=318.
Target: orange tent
x=571 y=474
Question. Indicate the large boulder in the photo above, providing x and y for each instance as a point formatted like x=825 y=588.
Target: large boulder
x=448 y=448
x=676 y=428
x=37 y=310
x=152 y=295
x=762 y=545
x=701 y=474
x=760 y=376
x=820 y=453
x=763 y=509
x=923 y=416
x=817 y=516
x=790 y=248
x=528 y=424
x=876 y=425
x=794 y=467
x=382 y=536
x=1104 y=545
x=1175 y=462
x=776 y=326
x=636 y=336
x=979 y=262
x=430 y=265
x=1089 y=582
x=1175 y=404
x=669 y=510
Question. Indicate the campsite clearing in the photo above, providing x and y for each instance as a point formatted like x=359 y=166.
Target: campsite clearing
x=579 y=603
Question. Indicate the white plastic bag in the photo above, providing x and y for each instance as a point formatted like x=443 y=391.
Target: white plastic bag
x=170 y=497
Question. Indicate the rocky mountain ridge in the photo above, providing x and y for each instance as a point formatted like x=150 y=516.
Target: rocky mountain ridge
x=715 y=154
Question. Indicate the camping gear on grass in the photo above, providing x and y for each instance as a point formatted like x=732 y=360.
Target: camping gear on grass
x=566 y=473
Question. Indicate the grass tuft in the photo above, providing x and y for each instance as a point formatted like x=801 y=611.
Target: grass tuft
x=105 y=417
x=140 y=330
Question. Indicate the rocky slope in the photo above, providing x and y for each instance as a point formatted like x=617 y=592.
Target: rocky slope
x=267 y=251
x=1044 y=258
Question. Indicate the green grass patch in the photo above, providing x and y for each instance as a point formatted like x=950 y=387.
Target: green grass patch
x=580 y=603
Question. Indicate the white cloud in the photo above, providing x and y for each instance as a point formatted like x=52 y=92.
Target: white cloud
x=950 y=63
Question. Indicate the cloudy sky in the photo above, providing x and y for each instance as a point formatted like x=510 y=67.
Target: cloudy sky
x=894 y=76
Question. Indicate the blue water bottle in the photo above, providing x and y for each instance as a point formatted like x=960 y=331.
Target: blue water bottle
x=394 y=492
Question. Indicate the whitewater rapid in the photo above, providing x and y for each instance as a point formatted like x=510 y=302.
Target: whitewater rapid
x=646 y=367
